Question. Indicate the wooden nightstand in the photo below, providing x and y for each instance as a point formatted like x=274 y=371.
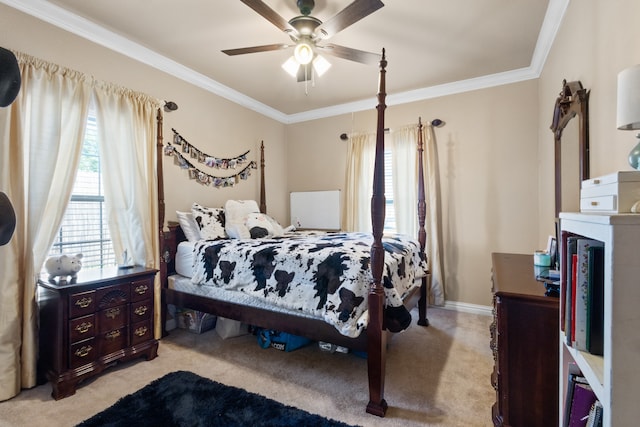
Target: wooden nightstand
x=85 y=327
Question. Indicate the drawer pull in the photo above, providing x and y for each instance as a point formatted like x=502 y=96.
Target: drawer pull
x=141 y=331
x=84 y=302
x=112 y=313
x=596 y=181
x=594 y=203
x=112 y=335
x=141 y=310
x=83 y=351
x=84 y=327
x=141 y=290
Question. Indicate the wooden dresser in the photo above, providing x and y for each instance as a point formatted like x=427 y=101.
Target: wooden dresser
x=525 y=343
x=85 y=327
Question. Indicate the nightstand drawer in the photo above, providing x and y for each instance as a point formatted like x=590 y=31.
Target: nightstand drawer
x=141 y=310
x=141 y=289
x=82 y=328
x=113 y=318
x=82 y=303
x=112 y=341
x=82 y=353
x=141 y=331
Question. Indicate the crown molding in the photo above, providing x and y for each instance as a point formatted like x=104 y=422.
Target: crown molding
x=416 y=95
x=548 y=32
x=86 y=29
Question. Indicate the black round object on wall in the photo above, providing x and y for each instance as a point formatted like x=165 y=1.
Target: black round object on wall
x=7 y=219
x=9 y=77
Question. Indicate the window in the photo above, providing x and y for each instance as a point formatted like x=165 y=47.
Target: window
x=84 y=227
x=390 y=209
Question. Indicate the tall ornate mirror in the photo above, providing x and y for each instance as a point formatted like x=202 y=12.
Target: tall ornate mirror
x=571 y=145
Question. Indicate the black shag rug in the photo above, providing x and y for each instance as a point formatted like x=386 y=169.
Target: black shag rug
x=185 y=399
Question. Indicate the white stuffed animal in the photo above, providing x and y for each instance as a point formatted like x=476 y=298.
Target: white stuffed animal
x=63 y=266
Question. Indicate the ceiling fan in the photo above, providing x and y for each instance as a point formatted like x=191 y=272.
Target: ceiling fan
x=309 y=33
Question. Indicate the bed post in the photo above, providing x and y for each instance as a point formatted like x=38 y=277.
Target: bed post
x=376 y=336
x=263 y=198
x=161 y=213
x=422 y=234
x=161 y=207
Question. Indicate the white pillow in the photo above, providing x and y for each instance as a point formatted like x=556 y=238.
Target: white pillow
x=262 y=225
x=237 y=231
x=236 y=212
x=210 y=221
x=189 y=226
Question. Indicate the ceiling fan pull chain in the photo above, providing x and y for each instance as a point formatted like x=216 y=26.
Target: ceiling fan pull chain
x=306 y=79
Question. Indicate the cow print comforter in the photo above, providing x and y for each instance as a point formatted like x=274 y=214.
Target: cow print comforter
x=326 y=275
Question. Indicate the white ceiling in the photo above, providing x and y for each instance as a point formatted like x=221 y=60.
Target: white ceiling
x=433 y=47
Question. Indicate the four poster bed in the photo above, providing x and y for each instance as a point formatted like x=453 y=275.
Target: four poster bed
x=395 y=278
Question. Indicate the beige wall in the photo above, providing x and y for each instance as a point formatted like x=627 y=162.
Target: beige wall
x=487 y=153
x=209 y=122
x=596 y=41
x=495 y=152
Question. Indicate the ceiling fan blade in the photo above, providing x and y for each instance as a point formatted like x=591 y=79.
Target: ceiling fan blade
x=350 y=54
x=350 y=15
x=269 y=14
x=255 y=49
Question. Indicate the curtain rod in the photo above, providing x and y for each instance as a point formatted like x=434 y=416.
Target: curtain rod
x=435 y=122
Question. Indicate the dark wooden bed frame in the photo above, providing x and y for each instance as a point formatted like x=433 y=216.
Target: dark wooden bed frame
x=374 y=340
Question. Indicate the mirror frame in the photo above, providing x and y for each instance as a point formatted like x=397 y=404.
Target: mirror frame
x=573 y=101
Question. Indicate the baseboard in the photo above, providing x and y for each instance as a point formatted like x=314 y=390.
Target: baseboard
x=464 y=307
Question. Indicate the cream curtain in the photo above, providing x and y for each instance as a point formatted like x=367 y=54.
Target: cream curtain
x=434 y=246
x=404 y=152
x=41 y=139
x=127 y=134
x=356 y=214
x=403 y=143
x=41 y=136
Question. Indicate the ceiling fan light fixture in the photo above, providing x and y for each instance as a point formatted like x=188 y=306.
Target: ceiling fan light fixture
x=291 y=66
x=303 y=53
x=321 y=65
x=306 y=31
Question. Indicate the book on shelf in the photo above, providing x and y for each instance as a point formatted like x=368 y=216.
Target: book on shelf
x=568 y=249
x=582 y=399
x=571 y=337
x=571 y=380
x=595 y=301
x=564 y=235
x=574 y=377
x=582 y=292
x=595 y=415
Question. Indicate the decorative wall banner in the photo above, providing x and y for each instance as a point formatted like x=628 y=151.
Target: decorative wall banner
x=188 y=150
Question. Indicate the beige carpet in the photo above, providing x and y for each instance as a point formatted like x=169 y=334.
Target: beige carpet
x=436 y=376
